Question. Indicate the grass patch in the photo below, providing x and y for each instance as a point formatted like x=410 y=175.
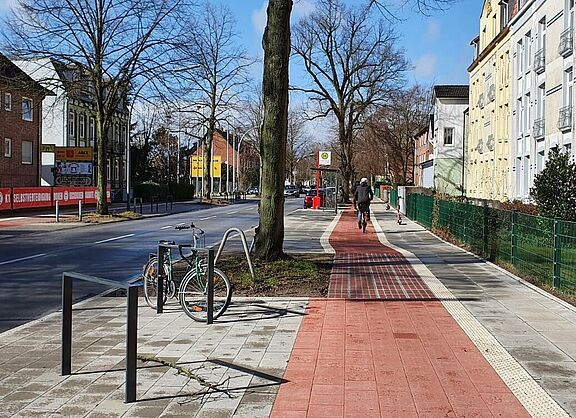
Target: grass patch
x=296 y=275
x=94 y=218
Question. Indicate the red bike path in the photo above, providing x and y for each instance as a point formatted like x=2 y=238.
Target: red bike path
x=382 y=345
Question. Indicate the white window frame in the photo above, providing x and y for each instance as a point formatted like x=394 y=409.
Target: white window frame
x=91 y=131
x=567 y=89
x=31 y=160
x=451 y=130
x=28 y=116
x=8 y=147
x=82 y=126
x=8 y=102
x=72 y=127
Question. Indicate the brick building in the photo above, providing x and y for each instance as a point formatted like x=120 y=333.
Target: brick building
x=423 y=159
x=20 y=126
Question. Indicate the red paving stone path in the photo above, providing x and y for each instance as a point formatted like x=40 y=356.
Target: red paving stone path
x=386 y=358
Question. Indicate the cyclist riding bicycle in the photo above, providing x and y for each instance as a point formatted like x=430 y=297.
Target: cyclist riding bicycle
x=363 y=195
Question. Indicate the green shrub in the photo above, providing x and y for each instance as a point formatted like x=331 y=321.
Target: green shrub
x=181 y=191
x=555 y=187
x=148 y=189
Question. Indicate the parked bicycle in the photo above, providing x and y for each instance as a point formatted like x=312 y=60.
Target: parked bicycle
x=192 y=289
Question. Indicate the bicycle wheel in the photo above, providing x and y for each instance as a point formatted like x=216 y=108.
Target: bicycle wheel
x=151 y=283
x=193 y=294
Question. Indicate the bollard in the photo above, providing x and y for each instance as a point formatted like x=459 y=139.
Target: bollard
x=80 y=210
x=57 y=211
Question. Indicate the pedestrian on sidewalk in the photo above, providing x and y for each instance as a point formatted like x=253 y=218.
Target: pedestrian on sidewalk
x=363 y=195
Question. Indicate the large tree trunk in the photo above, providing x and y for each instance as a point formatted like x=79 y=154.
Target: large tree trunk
x=102 y=179
x=270 y=232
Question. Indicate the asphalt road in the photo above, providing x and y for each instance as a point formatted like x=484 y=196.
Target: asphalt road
x=31 y=265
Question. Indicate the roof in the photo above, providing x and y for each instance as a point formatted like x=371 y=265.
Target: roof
x=11 y=74
x=449 y=91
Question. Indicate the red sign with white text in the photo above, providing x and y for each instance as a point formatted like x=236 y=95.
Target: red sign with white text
x=67 y=195
x=90 y=194
x=31 y=197
x=5 y=201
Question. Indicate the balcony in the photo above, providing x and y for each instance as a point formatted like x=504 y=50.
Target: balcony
x=566 y=42
x=490 y=142
x=565 y=118
x=480 y=146
x=491 y=92
x=538 y=129
x=540 y=61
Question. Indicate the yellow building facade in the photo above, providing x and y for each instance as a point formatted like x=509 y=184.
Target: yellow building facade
x=488 y=147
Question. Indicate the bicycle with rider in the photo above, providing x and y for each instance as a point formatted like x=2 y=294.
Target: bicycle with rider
x=363 y=195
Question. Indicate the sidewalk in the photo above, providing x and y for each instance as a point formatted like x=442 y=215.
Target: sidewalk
x=412 y=327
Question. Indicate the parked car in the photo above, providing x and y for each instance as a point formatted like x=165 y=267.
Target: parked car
x=311 y=194
x=291 y=191
x=253 y=190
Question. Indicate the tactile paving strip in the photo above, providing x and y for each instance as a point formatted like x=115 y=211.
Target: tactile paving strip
x=532 y=396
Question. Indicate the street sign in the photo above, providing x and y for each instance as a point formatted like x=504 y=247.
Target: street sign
x=48 y=148
x=325 y=158
x=216 y=166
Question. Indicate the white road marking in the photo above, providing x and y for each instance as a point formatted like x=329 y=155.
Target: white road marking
x=166 y=227
x=22 y=259
x=231 y=212
x=206 y=218
x=12 y=219
x=113 y=239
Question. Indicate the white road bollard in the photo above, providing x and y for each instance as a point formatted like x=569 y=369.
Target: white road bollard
x=57 y=211
x=80 y=210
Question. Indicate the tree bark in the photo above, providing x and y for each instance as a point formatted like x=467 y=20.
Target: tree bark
x=276 y=42
x=102 y=181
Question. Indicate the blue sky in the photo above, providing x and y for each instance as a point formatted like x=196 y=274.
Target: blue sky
x=437 y=45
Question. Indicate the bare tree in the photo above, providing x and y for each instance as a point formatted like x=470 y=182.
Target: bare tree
x=353 y=66
x=391 y=129
x=297 y=144
x=215 y=73
x=270 y=232
x=112 y=43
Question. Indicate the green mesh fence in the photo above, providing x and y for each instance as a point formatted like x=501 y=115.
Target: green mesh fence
x=393 y=197
x=542 y=248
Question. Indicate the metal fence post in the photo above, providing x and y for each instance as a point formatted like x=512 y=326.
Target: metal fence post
x=557 y=254
x=485 y=229
x=160 y=279
x=66 y=325
x=131 y=343
x=210 y=289
x=513 y=241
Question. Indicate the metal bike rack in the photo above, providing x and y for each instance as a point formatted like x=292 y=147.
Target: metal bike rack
x=131 y=286
x=244 y=244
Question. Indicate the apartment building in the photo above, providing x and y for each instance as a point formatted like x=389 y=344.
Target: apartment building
x=488 y=141
x=542 y=41
x=446 y=136
x=20 y=126
x=423 y=159
x=69 y=156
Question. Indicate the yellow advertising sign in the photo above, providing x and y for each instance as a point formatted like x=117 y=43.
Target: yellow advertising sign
x=47 y=148
x=74 y=154
x=197 y=166
x=216 y=166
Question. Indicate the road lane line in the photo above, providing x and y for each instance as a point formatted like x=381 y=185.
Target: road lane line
x=22 y=259
x=206 y=218
x=113 y=239
x=166 y=227
x=12 y=219
x=231 y=212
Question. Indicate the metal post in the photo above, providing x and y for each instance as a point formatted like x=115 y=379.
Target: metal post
x=160 y=280
x=336 y=195
x=57 y=211
x=513 y=237
x=557 y=254
x=66 y=325
x=131 y=343
x=210 y=289
x=80 y=210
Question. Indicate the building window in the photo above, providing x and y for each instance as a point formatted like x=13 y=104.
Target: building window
x=72 y=128
x=82 y=129
x=27 y=109
x=448 y=136
x=91 y=131
x=26 y=152
x=7 y=101
x=7 y=147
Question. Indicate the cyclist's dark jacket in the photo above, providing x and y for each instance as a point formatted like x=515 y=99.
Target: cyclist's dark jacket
x=363 y=194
